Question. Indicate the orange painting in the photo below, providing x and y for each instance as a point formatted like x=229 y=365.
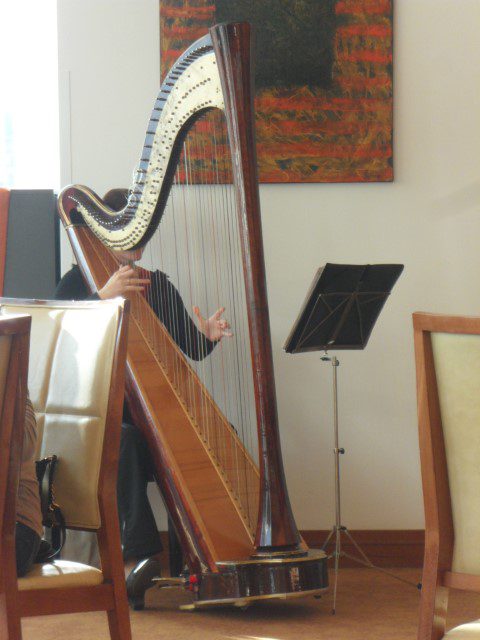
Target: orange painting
x=323 y=82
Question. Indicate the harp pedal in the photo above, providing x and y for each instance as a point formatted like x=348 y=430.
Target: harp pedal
x=170 y=582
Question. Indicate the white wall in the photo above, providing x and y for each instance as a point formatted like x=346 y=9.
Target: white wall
x=108 y=73
x=428 y=219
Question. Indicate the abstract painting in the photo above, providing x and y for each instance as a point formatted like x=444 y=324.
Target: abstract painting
x=323 y=77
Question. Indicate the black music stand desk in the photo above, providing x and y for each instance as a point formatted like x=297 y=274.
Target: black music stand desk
x=339 y=312
x=342 y=307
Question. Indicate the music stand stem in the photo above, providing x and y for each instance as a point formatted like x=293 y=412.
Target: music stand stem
x=338 y=528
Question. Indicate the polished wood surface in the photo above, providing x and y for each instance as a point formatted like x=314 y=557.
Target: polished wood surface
x=111 y=596
x=48 y=602
x=276 y=527
x=209 y=520
x=463 y=581
x=439 y=533
x=12 y=425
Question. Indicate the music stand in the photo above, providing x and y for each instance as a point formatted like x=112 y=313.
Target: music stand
x=339 y=312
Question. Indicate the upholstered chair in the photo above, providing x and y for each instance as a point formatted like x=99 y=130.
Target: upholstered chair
x=76 y=384
x=14 y=345
x=447 y=352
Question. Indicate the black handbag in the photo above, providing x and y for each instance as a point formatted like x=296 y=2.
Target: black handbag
x=52 y=516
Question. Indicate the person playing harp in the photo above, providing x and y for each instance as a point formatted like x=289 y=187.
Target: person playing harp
x=139 y=534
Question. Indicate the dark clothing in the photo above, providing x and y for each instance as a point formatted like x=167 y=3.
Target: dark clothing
x=139 y=533
x=140 y=537
x=168 y=305
x=72 y=287
x=164 y=299
x=27 y=543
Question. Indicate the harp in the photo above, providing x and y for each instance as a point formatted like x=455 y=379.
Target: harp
x=224 y=488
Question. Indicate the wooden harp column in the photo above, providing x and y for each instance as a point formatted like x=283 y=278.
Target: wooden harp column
x=276 y=529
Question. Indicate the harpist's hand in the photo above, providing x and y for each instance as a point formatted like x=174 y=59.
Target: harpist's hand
x=122 y=282
x=216 y=327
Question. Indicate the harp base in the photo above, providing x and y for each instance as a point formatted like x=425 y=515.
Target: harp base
x=241 y=582
x=260 y=555
x=244 y=603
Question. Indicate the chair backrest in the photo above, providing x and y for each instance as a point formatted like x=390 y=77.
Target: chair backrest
x=14 y=341
x=448 y=384
x=4 y=202
x=5 y=345
x=77 y=393
x=457 y=367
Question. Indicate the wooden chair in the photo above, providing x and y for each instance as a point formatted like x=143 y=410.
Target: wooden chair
x=14 y=343
x=76 y=384
x=447 y=352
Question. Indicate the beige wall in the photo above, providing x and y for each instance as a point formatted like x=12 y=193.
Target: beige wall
x=428 y=219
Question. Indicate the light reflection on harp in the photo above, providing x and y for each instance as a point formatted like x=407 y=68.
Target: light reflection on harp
x=195 y=210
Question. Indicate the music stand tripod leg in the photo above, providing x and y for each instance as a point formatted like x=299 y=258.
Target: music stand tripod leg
x=338 y=528
x=366 y=562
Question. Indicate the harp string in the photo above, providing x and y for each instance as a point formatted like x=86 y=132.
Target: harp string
x=186 y=169
x=229 y=386
x=209 y=221
x=245 y=361
x=205 y=276
x=190 y=219
x=232 y=286
x=229 y=381
x=201 y=285
x=199 y=249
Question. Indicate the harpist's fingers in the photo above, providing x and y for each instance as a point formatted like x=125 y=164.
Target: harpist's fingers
x=218 y=313
x=125 y=272
x=196 y=311
x=138 y=281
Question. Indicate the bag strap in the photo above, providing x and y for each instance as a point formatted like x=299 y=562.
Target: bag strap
x=45 y=470
x=52 y=515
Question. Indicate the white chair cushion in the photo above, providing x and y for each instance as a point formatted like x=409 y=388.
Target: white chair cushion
x=60 y=574
x=467 y=631
x=71 y=352
x=457 y=367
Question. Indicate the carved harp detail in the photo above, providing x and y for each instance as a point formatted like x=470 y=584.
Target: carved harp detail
x=225 y=492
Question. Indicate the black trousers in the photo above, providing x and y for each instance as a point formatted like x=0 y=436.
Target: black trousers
x=140 y=536
x=138 y=529
x=27 y=543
